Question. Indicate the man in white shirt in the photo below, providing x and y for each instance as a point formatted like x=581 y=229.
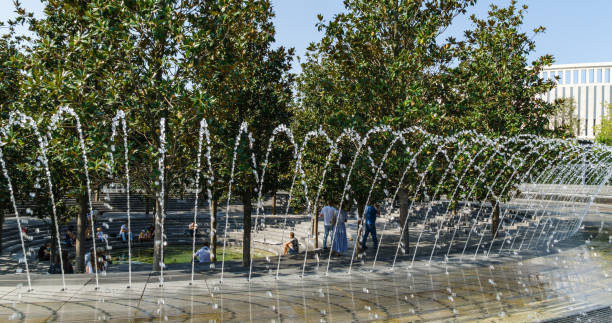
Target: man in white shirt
x=328 y=213
x=203 y=254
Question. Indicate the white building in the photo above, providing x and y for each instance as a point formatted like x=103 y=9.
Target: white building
x=589 y=84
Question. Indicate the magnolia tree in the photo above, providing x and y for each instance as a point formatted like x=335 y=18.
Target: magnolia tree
x=176 y=61
x=383 y=62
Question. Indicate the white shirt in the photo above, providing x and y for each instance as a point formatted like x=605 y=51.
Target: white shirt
x=329 y=212
x=203 y=254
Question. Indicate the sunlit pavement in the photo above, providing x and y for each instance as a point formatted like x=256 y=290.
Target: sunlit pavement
x=574 y=281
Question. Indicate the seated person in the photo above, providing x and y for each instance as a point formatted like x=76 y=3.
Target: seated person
x=123 y=233
x=203 y=254
x=291 y=247
x=69 y=237
x=56 y=268
x=192 y=227
x=44 y=252
x=100 y=235
x=142 y=236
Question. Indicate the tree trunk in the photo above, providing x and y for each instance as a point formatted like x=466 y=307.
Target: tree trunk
x=494 y=218
x=213 y=230
x=81 y=236
x=274 y=203
x=246 y=230
x=315 y=227
x=404 y=201
x=1 y=227
x=54 y=248
x=157 y=259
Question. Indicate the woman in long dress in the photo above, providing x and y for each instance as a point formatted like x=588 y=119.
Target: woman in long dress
x=340 y=244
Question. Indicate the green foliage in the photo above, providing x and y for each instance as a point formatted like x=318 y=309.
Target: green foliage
x=603 y=132
x=495 y=90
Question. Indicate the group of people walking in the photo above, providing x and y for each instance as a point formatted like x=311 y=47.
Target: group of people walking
x=334 y=223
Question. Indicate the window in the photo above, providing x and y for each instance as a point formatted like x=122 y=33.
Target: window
x=607 y=78
x=583 y=76
x=603 y=103
x=545 y=75
x=578 y=109
x=586 y=111
x=591 y=76
x=568 y=76
x=599 y=75
x=575 y=78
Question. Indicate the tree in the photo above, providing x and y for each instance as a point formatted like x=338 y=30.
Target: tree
x=170 y=60
x=495 y=90
x=378 y=63
x=566 y=118
x=603 y=132
x=384 y=63
x=247 y=81
x=9 y=80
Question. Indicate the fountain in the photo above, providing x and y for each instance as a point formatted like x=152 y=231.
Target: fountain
x=545 y=195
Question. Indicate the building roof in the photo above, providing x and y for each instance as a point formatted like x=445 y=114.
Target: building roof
x=578 y=65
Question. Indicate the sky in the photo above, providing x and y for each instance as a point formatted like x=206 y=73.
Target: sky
x=575 y=29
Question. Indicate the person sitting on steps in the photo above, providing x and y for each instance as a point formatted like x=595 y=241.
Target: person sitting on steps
x=123 y=233
x=292 y=246
x=203 y=255
x=44 y=252
x=192 y=227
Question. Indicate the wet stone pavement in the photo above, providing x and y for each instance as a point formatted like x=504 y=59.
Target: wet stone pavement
x=572 y=281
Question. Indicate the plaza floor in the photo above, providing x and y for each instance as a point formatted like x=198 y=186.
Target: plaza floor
x=571 y=282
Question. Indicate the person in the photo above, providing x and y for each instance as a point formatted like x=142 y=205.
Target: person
x=123 y=232
x=68 y=269
x=339 y=242
x=203 y=254
x=88 y=262
x=328 y=213
x=69 y=237
x=43 y=252
x=371 y=213
x=104 y=258
x=192 y=227
x=56 y=268
x=292 y=246
x=142 y=236
x=150 y=233
x=100 y=235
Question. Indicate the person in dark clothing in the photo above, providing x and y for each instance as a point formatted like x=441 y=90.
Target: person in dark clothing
x=56 y=269
x=67 y=264
x=371 y=213
x=69 y=237
x=43 y=252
